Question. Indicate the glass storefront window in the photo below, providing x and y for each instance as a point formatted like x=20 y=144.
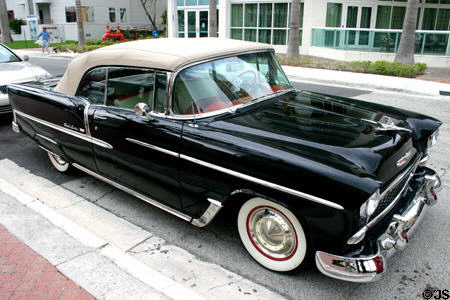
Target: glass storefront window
x=236 y=34
x=334 y=15
x=236 y=15
x=190 y=2
x=383 y=17
x=279 y=37
x=443 y=19
x=250 y=15
x=280 y=15
x=250 y=35
x=265 y=36
x=262 y=22
x=398 y=16
x=429 y=18
x=265 y=15
x=181 y=23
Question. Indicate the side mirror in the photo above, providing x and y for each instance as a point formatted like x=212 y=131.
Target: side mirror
x=26 y=57
x=141 y=109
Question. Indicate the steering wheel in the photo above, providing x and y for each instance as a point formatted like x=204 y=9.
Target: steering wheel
x=251 y=81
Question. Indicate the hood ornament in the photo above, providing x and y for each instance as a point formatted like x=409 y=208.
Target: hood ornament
x=386 y=124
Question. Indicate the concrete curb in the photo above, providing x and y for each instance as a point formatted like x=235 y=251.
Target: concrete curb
x=367 y=81
x=167 y=269
x=152 y=278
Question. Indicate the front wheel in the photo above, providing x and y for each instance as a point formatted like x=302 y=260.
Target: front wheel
x=272 y=235
x=60 y=164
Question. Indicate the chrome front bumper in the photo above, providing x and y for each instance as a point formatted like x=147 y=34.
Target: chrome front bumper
x=402 y=226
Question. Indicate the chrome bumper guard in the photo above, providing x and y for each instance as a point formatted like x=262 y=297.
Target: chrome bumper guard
x=370 y=268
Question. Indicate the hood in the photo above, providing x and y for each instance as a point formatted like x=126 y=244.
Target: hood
x=308 y=134
x=16 y=72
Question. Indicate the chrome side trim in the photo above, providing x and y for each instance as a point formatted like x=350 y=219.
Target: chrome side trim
x=135 y=194
x=212 y=210
x=47 y=139
x=150 y=146
x=67 y=131
x=263 y=182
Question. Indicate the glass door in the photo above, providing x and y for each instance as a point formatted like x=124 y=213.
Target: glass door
x=191 y=23
x=366 y=18
x=352 y=20
x=197 y=23
x=203 y=20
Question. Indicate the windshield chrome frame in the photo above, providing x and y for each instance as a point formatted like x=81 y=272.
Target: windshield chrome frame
x=232 y=109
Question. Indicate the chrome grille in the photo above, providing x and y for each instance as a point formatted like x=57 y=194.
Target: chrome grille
x=3 y=89
x=391 y=194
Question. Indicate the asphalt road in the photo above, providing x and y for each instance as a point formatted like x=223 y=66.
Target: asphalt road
x=422 y=265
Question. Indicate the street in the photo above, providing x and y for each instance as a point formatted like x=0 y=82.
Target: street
x=422 y=265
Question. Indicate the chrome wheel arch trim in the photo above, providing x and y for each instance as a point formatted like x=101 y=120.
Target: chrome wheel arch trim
x=73 y=133
x=209 y=214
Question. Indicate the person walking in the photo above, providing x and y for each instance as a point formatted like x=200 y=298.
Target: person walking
x=46 y=37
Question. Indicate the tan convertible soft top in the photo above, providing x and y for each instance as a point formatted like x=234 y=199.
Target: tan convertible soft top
x=165 y=54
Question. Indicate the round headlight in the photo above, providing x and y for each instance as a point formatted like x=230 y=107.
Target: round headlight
x=369 y=207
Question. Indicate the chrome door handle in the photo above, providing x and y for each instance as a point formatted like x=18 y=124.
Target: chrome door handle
x=99 y=118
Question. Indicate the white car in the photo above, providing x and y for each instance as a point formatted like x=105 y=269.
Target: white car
x=15 y=69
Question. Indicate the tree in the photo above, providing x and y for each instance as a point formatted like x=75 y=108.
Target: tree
x=81 y=37
x=4 y=23
x=405 y=52
x=212 y=18
x=144 y=5
x=294 y=30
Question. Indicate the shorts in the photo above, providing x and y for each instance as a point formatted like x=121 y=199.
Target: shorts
x=45 y=45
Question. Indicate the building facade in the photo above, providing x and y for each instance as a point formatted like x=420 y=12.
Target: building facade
x=338 y=29
x=60 y=18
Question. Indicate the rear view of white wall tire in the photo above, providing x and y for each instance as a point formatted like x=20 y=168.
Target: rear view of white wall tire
x=272 y=235
x=60 y=164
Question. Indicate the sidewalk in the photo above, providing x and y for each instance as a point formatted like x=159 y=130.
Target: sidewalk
x=24 y=274
x=429 y=87
x=106 y=255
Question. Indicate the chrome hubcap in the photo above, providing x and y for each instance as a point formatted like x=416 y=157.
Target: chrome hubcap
x=272 y=233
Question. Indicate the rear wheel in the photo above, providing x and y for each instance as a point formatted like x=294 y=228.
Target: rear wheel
x=60 y=164
x=272 y=235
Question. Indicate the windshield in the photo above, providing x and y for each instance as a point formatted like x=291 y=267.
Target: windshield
x=226 y=82
x=7 y=56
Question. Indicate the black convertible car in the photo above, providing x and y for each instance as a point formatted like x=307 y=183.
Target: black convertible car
x=191 y=126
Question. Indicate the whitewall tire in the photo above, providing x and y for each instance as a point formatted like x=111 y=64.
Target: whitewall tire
x=60 y=164
x=272 y=235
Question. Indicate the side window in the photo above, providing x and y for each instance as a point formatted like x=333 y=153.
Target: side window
x=160 y=92
x=129 y=86
x=93 y=85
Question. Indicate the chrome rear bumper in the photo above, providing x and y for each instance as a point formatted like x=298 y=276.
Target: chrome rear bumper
x=402 y=226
